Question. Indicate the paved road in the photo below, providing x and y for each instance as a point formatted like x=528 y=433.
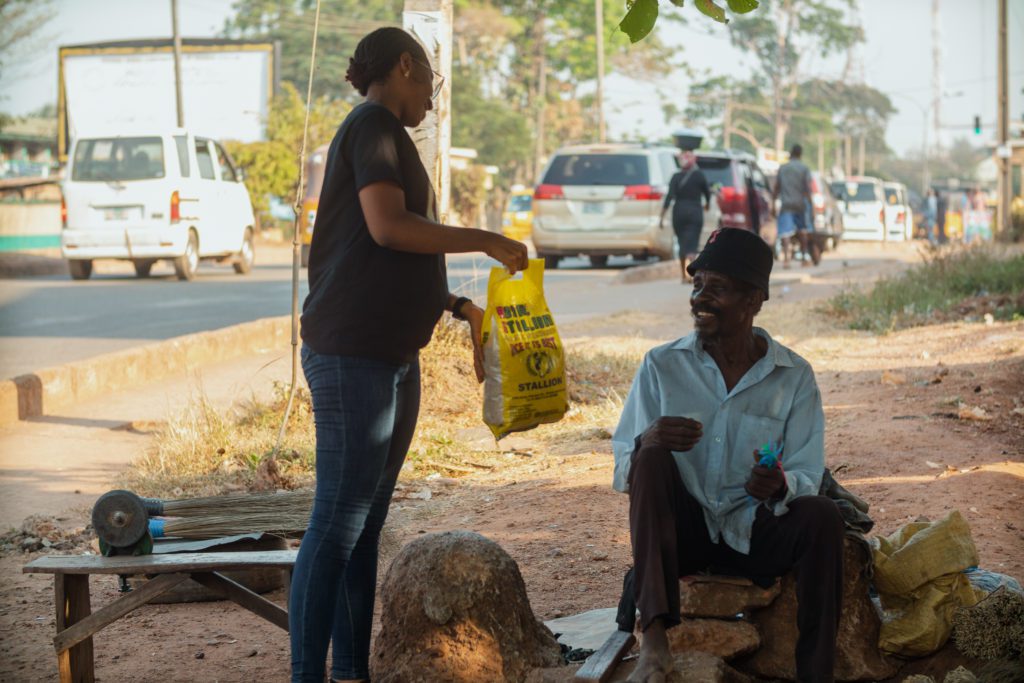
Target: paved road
x=52 y=320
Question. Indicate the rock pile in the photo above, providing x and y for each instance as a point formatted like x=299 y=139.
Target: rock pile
x=763 y=641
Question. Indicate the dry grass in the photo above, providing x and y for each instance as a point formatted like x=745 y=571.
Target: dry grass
x=203 y=452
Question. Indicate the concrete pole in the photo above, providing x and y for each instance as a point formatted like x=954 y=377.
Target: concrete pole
x=1003 y=112
x=431 y=22
x=848 y=155
x=177 y=63
x=542 y=94
x=599 y=20
x=860 y=155
x=727 y=125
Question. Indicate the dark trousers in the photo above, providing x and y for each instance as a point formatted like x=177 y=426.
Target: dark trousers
x=670 y=539
x=365 y=413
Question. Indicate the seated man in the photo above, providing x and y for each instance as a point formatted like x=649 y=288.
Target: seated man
x=686 y=451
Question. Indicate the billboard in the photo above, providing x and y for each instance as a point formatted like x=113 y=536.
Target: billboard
x=110 y=88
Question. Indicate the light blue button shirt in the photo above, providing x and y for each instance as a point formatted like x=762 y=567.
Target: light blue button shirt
x=777 y=400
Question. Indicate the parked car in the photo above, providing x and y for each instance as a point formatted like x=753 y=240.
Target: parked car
x=517 y=218
x=863 y=201
x=742 y=197
x=152 y=196
x=604 y=200
x=899 y=218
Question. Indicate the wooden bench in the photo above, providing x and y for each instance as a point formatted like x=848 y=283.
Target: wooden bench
x=76 y=623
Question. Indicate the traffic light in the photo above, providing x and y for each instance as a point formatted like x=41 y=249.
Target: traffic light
x=977 y=125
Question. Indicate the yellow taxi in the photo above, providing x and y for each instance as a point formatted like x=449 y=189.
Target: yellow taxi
x=517 y=218
x=315 y=166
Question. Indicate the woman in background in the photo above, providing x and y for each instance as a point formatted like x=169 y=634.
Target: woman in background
x=685 y=191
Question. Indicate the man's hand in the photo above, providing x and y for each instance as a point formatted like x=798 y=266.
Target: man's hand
x=674 y=433
x=765 y=483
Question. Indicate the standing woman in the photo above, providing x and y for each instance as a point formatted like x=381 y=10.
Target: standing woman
x=377 y=287
x=685 y=189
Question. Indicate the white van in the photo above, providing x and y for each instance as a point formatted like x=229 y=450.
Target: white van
x=898 y=215
x=863 y=202
x=146 y=197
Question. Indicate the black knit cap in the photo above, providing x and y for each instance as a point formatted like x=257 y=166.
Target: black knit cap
x=737 y=253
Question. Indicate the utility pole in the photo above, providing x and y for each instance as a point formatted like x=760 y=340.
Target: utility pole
x=542 y=93
x=848 y=154
x=821 y=153
x=430 y=21
x=1003 y=151
x=599 y=19
x=860 y=155
x=727 y=124
x=177 y=63
x=937 y=73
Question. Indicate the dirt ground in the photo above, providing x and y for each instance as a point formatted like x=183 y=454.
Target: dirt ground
x=919 y=422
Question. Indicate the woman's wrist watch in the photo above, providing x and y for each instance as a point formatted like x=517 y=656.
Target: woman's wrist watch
x=457 y=307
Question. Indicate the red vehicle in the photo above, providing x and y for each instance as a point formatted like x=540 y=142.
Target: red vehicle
x=741 y=191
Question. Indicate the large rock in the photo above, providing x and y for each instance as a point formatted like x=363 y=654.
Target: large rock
x=722 y=596
x=857 y=654
x=718 y=637
x=454 y=608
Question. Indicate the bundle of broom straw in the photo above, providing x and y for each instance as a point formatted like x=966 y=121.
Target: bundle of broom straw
x=217 y=516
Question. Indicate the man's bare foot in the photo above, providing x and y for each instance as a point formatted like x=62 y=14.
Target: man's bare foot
x=655 y=662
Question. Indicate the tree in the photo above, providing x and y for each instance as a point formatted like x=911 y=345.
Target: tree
x=342 y=24
x=271 y=166
x=20 y=24
x=781 y=37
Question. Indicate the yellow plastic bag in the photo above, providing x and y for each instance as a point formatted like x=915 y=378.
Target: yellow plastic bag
x=523 y=361
x=918 y=575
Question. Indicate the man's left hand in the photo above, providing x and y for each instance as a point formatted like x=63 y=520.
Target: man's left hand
x=766 y=483
x=475 y=316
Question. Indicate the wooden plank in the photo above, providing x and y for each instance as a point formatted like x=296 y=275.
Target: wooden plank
x=601 y=665
x=71 y=595
x=244 y=597
x=86 y=627
x=160 y=564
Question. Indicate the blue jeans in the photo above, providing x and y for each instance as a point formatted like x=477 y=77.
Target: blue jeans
x=365 y=413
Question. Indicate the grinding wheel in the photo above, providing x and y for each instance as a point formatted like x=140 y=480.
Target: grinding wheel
x=120 y=519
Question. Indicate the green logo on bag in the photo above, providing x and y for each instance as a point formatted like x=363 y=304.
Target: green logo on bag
x=539 y=364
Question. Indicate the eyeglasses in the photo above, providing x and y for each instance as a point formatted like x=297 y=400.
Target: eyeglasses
x=437 y=79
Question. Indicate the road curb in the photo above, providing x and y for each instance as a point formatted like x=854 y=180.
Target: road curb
x=41 y=392
x=665 y=270
x=15 y=265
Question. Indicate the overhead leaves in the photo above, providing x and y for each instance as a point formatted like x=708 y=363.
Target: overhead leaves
x=639 y=19
x=742 y=6
x=641 y=15
x=709 y=8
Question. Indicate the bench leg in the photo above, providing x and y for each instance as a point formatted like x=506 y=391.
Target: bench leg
x=71 y=592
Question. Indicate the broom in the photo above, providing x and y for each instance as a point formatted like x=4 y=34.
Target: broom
x=236 y=504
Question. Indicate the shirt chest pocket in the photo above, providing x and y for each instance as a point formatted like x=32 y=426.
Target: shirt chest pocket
x=757 y=431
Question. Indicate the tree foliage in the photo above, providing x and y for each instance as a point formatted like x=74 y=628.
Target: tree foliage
x=642 y=15
x=272 y=166
x=20 y=24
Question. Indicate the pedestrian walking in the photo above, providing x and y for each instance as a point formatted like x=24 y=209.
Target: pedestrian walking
x=685 y=191
x=931 y=210
x=793 y=185
x=377 y=287
x=941 y=207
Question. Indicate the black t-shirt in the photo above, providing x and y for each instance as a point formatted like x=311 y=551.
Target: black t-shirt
x=366 y=300
x=688 y=186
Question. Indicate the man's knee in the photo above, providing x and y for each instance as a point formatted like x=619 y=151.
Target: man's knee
x=820 y=514
x=648 y=461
